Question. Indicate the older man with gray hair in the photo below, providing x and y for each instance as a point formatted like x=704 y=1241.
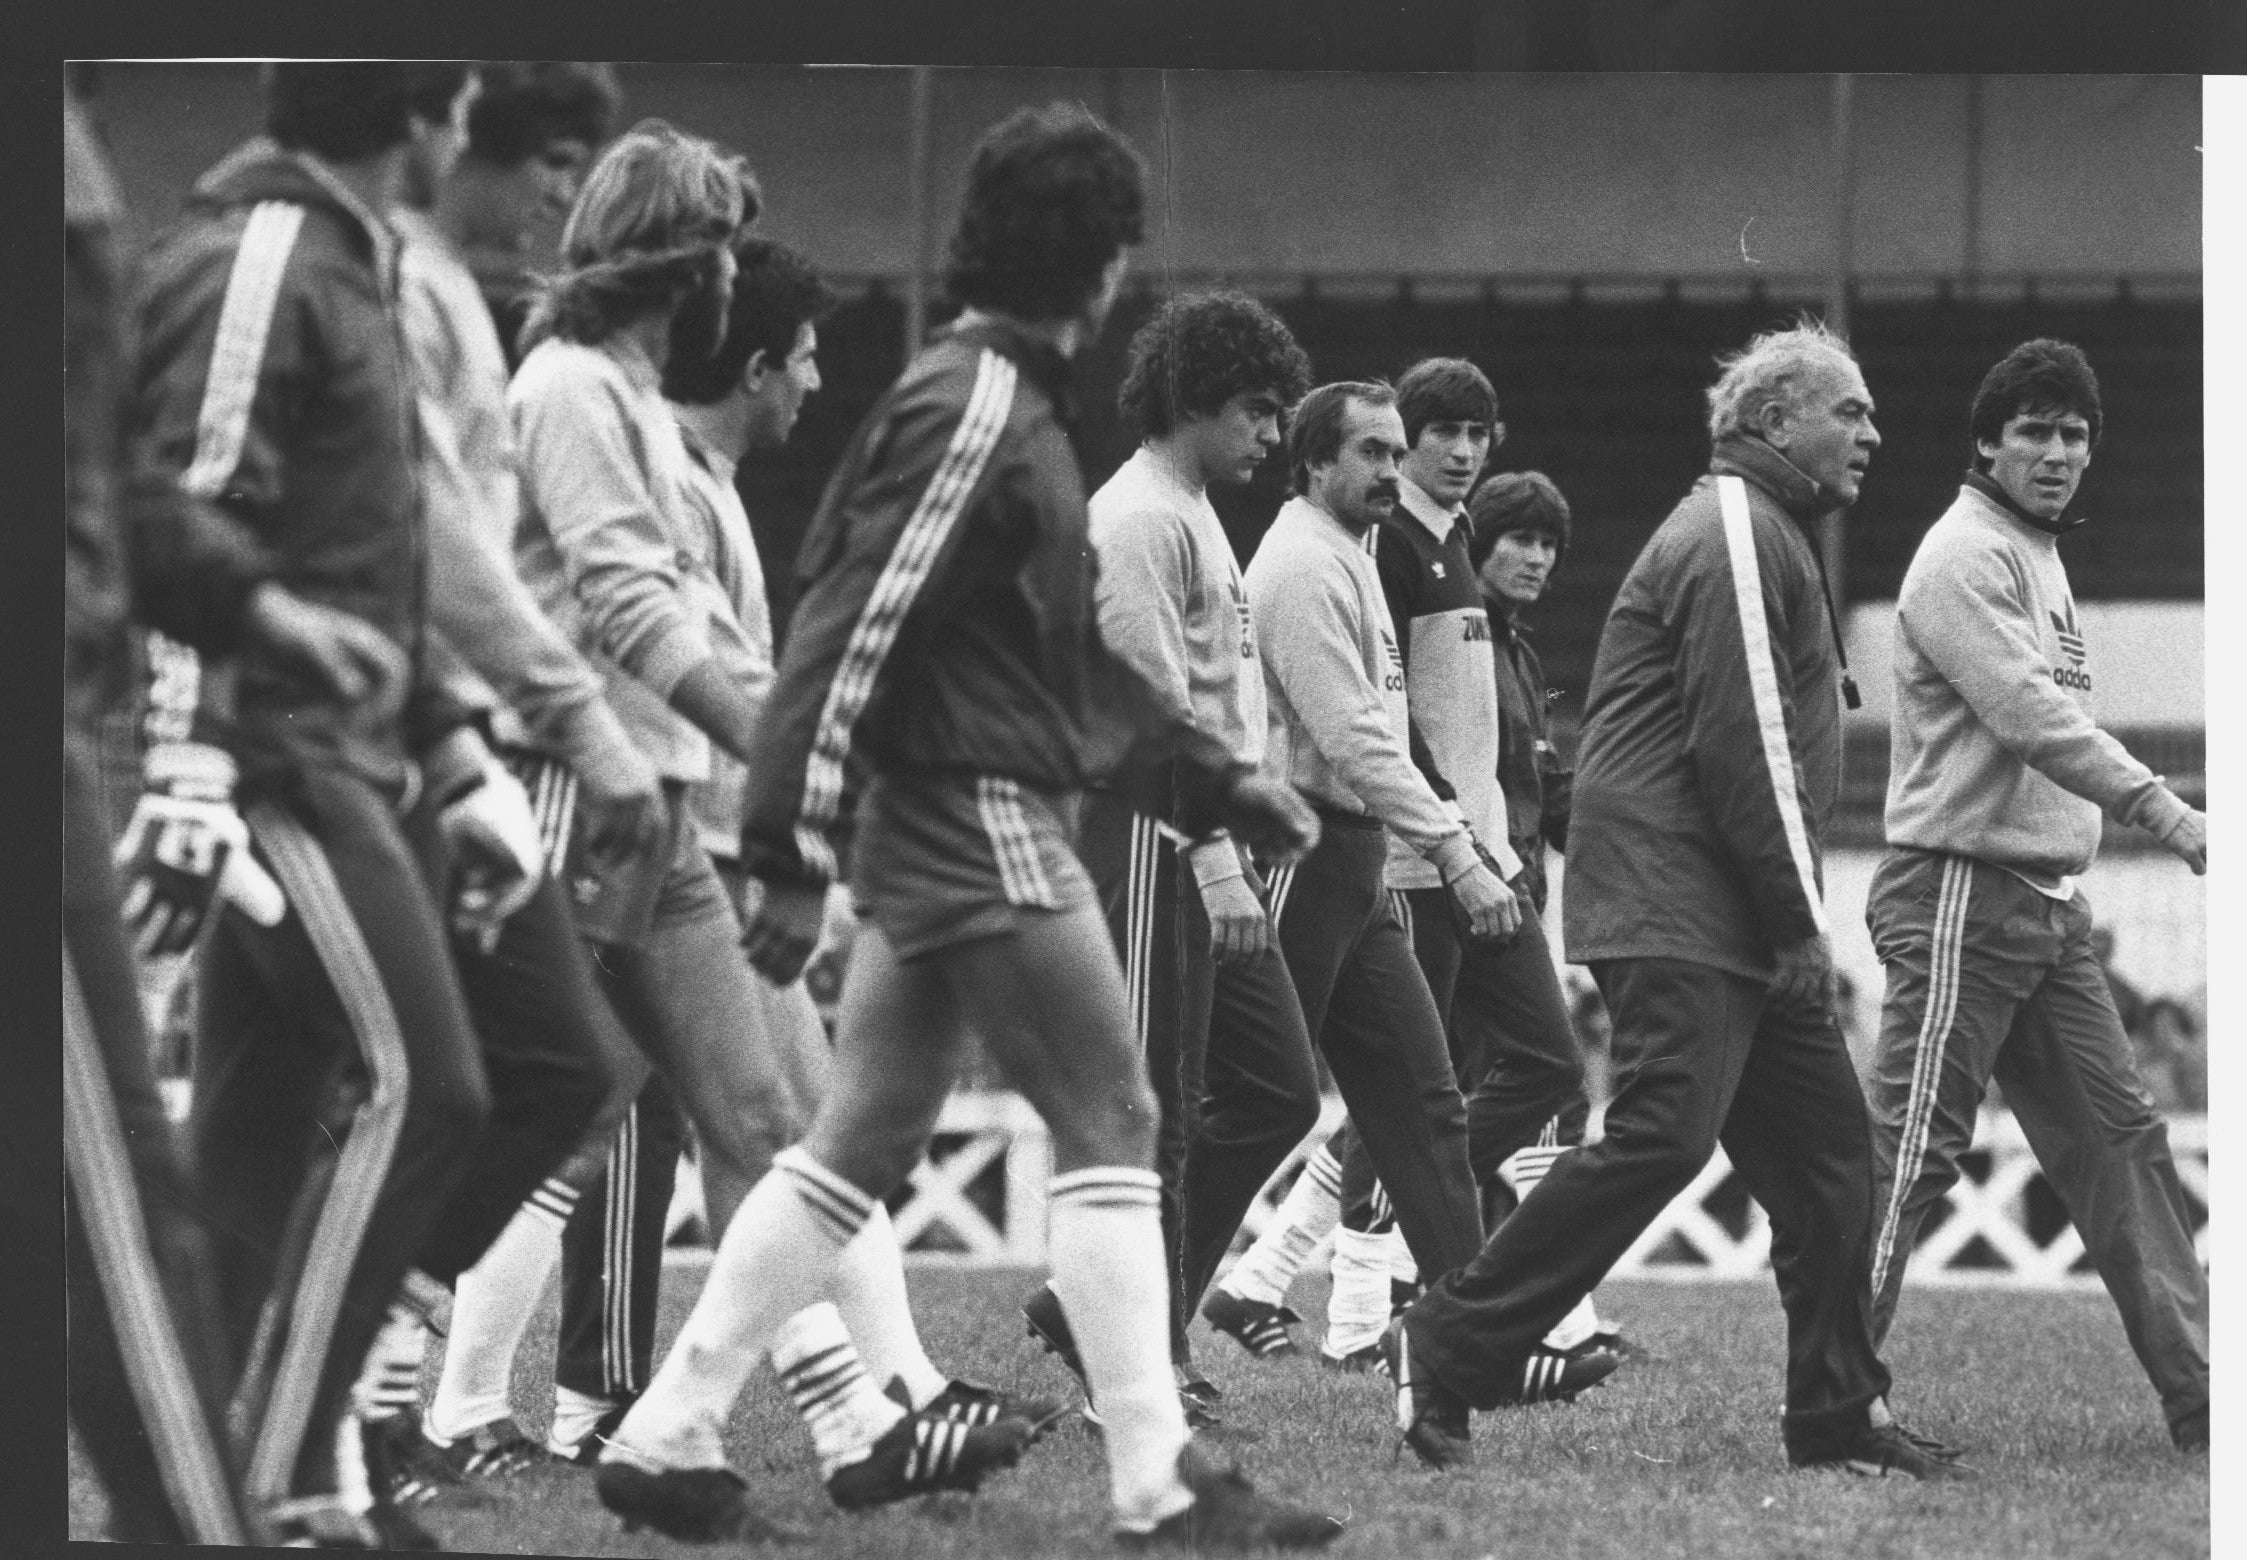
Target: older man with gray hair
x=1710 y=760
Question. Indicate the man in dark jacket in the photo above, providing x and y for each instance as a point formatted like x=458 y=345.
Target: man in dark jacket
x=1710 y=761
x=945 y=642
x=148 y=1360
x=272 y=383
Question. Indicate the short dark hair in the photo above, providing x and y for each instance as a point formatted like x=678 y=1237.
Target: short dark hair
x=523 y=106
x=1052 y=195
x=432 y=86
x=1197 y=352
x=1444 y=390
x=342 y=110
x=775 y=291
x=1314 y=432
x=2043 y=375
x=1516 y=501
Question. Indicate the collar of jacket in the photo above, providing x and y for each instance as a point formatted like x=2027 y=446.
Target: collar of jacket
x=1742 y=455
x=1038 y=358
x=1502 y=621
x=2003 y=500
x=1437 y=521
x=260 y=170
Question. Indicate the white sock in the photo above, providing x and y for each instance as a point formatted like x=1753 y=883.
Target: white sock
x=878 y=1313
x=778 y=1255
x=492 y=1307
x=390 y=1380
x=1525 y=1171
x=827 y=1381
x=1106 y=1247
x=1309 y=1212
x=1402 y=1269
x=575 y=1415
x=1357 y=1313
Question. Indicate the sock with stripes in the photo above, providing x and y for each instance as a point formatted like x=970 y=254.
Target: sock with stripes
x=778 y=1255
x=1357 y=1313
x=878 y=1313
x=831 y=1387
x=1106 y=1248
x=493 y=1303
x=1311 y=1209
x=1402 y=1269
x=390 y=1380
x=1525 y=1171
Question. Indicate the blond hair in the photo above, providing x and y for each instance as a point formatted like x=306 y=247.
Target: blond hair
x=1770 y=368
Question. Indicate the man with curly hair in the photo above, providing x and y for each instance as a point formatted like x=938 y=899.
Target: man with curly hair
x=1996 y=799
x=1214 y=1009
x=945 y=660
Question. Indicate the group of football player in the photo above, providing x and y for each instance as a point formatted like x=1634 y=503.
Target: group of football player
x=502 y=837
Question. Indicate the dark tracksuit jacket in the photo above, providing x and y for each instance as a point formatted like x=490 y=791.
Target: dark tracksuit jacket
x=1534 y=1077
x=272 y=382
x=1710 y=761
x=945 y=627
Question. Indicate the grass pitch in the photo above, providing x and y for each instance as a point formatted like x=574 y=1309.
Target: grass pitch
x=1678 y=1455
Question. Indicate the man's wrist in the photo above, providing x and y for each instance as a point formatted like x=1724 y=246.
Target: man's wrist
x=1214 y=860
x=1454 y=856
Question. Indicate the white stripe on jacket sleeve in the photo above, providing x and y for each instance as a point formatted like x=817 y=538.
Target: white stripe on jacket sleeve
x=940 y=507
x=245 y=319
x=1763 y=683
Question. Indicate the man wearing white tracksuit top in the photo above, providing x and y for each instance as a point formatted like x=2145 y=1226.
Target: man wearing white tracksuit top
x=1998 y=781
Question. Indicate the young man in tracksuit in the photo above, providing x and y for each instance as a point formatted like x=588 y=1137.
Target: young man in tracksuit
x=1211 y=1000
x=944 y=655
x=1710 y=760
x=1998 y=783
x=1336 y=687
x=272 y=381
x=1529 y=1108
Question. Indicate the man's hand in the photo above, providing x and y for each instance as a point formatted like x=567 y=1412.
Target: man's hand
x=185 y=846
x=2187 y=840
x=619 y=798
x=1482 y=903
x=1271 y=819
x=496 y=854
x=1239 y=930
x=783 y=926
x=838 y=925
x=1805 y=975
x=358 y=662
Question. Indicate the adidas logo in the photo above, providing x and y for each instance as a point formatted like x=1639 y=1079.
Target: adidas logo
x=2071 y=641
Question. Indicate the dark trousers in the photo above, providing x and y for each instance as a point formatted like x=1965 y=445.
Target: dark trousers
x=1226 y=1047
x=339 y=1097
x=1987 y=978
x=612 y=1252
x=1369 y=1009
x=1521 y=1064
x=1702 y=1057
x=164 y=1283
x=1512 y=1046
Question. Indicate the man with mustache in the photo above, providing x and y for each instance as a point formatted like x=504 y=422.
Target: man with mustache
x=1995 y=795
x=1335 y=688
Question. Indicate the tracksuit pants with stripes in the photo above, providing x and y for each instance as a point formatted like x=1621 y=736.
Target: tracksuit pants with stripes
x=612 y=1252
x=1990 y=979
x=1703 y=1056
x=151 y=1426
x=1369 y=1010
x=1513 y=1048
x=1226 y=1047
x=390 y=1104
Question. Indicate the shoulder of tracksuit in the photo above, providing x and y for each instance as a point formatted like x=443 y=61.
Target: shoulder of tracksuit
x=889 y=522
